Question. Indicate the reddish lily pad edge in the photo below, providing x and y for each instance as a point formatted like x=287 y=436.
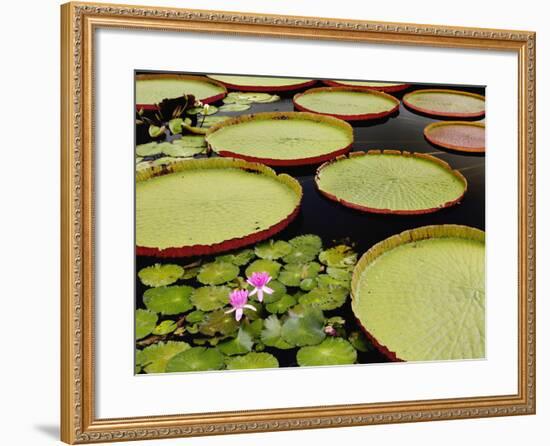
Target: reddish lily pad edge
x=356 y=117
x=392 y=211
x=226 y=245
x=385 y=89
x=209 y=100
x=458 y=148
x=408 y=236
x=283 y=116
x=430 y=112
x=266 y=88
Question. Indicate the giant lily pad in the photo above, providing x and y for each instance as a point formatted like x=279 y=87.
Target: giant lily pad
x=348 y=103
x=160 y=275
x=196 y=359
x=281 y=138
x=252 y=360
x=154 y=358
x=209 y=298
x=391 y=182
x=462 y=136
x=388 y=87
x=204 y=206
x=332 y=351
x=151 y=89
x=420 y=295
x=305 y=328
x=145 y=321
x=262 y=83
x=168 y=299
x=446 y=103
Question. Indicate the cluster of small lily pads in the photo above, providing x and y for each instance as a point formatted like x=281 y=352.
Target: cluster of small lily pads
x=239 y=310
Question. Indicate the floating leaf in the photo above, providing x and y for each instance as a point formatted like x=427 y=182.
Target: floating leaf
x=149 y=149
x=183 y=151
x=196 y=359
x=326 y=298
x=156 y=131
x=164 y=161
x=254 y=327
x=160 y=275
x=271 y=334
x=165 y=327
x=139 y=159
x=208 y=298
x=279 y=290
x=262 y=265
x=145 y=322
x=359 y=341
x=175 y=125
x=305 y=328
x=190 y=141
x=273 y=98
x=209 y=121
x=218 y=322
x=273 y=250
x=206 y=110
x=216 y=273
x=252 y=360
x=238 y=258
x=332 y=351
x=169 y=299
x=326 y=281
x=239 y=345
x=281 y=305
x=340 y=256
x=154 y=358
x=195 y=316
x=304 y=248
x=343 y=274
x=191 y=273
x=308 y=284
x=293 y=273
x=234 y=107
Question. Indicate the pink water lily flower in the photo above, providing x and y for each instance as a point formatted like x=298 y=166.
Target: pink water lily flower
x=259 y=282
x=239 y=301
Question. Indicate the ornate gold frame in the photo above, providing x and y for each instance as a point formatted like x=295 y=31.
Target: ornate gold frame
x=79 y=425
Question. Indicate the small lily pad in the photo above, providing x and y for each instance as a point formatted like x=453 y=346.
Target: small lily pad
x=279 y=290
x=262 y=265
x=293 y=273
x=304 y=248
x=239 y=345
x=218 y=322
x=154 y=358
x=359 y=341
x=209 y=121
x=332 y=351
x=216 y=273
x=156 y=131
x=236 y=107
x=340 y=256
x=191 y=273
x=165 y=327
x=326 y=298
x=145 y=322
x=324 y=281
x=273 y=250
x=343 y=274
x=281 y=305
x=271 y=334
x=308 y=284
x=183 y=151
x=195 y=316
x=190 y=141
x=305 y=328
x=206 y=111
x=160 y=275
x=196 y=359
x=149 y=149
x=164 y=161
x=209 y=298
x=252 y=360
x=176 y=125
x=168 y=300
x=238 y=258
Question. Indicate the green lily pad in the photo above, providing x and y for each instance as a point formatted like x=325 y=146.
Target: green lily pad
x=262 y=265
x=279 y=290
x=234 y=107
x=164 y=161
x=308 y=284
x=271 y=334
x=155 y=131
x=209 y=121
x=281 y=305
x=165 y=327
x=326 y=298
x=253 y=327
x=160 y=275
x=273 y=98
x=206 y=111
x=149 y=149
x=195 y=316
x=152 y=88
x=196 y=359
x=176 y=125
x=191 y=273
x=216 y=273
x=326 y=281
x=252 y=360
x=237 y=346
x=145 y=322
x=218 y=322
x=341 y=274
x=264 y=82
x=332 y=351
x=359 y=341
x=168 y=300
x=294 y=273
x=238 y=258
x=210 y=298
x=273 y=250
x=154 y=358
x=304 y=248
x=447 y=103
x=340 y=256
x=181 y=150
x=305 y=328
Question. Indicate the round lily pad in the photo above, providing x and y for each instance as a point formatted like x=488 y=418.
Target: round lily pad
x=145 y=322
x=209 y=121
x=462 y=136
x=304 y=249
x=281 y=305
x=326 y=298
x=281 y=138
x=238 y=258
x=168 y=300
x=420 y=295
x=165 y=327
x=305 y=328
x=279 y=290
x=195 y=316
x=271 y=334
x=340 y=256
x=205 y=206
x=160 y=275
x=326 y=280
x=216 y=273
x=176 y=125
x=154 y=358
x=332 y=351
x=206 y=111
x=252 y=360
x=149 y=149
x=262 y=265
x=209 y=298
x=388 y=87
x=262 y=83
x=273 y=250
x=196 y=359
x=185 y=146
x=234 y=107
x=340 y=273
x=151 y=89
x=446 y=103
x=218 y=322
x=238 y=345
x=294 y=273
x=391 y=182
x=348 y=103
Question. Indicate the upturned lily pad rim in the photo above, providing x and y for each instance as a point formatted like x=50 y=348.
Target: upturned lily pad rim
x=304 y=83
x=205 y=79
x=386 y=89
x=447 y=145
x=226 y=245
x=284 y=116
x=351 y=117
x=431 y=112
x=408 y=236
x=363 y=208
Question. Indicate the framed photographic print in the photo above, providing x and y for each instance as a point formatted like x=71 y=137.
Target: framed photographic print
x=275 y=223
